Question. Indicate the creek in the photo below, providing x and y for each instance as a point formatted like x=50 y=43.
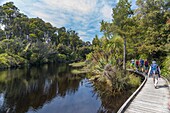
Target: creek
x=51 y=88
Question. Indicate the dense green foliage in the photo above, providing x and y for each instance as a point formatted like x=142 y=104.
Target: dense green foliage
x=166 y=69
x=108 y=53
x=35 y=41
x=7 y=60
x=143 y=32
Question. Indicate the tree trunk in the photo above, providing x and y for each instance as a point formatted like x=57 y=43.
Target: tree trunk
x=124 y=55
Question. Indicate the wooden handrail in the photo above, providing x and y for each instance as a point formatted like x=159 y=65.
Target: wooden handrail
x=126 y=104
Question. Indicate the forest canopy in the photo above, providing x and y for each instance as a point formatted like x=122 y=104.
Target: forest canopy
x=34 y=41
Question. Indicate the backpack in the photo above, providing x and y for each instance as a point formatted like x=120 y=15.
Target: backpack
x=154 y=67
x=146 y=63
x=137 y=62
x=141 y=62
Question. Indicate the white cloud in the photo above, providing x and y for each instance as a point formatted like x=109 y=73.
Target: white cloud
x=83 y=16
x=82 y=32
x=2 y=1
x=83 y=6
x=80 y=18
x=107 y=12
x=42 y=15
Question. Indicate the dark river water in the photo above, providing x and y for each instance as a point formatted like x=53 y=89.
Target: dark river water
x=52 y=88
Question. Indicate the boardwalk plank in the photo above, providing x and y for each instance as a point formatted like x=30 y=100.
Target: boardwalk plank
x=149 y=107
x=151 y=100
x=153 y=105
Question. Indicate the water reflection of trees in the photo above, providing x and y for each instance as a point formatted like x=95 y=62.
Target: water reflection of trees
x=33 y=87
x=110 y=101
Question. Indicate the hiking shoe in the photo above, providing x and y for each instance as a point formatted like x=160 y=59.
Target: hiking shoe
x=155 y=86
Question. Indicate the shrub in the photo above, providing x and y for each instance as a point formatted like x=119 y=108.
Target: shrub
x=61 y=57
x=10 y=60
x=166 y=68
x=115 y=78
x=134 y=81
x=33 y=58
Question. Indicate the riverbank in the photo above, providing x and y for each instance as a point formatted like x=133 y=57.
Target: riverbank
x=79 y=67
x=9 y=60
x=110 y=76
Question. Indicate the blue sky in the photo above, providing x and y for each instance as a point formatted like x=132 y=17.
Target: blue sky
x=83 y=16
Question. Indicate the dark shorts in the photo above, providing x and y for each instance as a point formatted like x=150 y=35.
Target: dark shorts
x=146 y=67
x=141 y=65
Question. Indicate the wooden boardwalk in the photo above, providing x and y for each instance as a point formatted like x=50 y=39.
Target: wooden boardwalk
x=151 y=100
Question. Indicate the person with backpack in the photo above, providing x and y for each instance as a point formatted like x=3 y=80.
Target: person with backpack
x=141 y=64
x=155 y=71
x=137 y=65
x=146 y=66
x=132 y=63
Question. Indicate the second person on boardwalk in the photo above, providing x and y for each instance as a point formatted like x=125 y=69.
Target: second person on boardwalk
x=146 y=65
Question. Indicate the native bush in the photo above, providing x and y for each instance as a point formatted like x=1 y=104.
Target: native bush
x=10 y=60
x=166 y=67
x=116 y=78
x=61 y=57
x=134 y=81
